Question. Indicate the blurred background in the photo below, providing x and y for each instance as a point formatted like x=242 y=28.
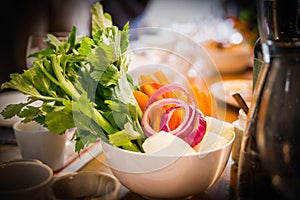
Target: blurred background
x=19 y=19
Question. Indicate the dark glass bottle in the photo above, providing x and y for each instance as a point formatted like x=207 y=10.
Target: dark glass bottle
x=253 y=179
x=278 y=135
x=277 y=22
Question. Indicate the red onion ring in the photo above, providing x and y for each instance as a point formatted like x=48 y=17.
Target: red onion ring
x=190 y=115
x=169 y=88
x=163 y=102
x=187 y=130
x=197 y=134
x=165 y=118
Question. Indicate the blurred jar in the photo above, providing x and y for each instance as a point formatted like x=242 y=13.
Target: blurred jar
x=239 y=128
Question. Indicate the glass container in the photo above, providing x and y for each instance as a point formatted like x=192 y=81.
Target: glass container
x=278 y=29
x=278 y=131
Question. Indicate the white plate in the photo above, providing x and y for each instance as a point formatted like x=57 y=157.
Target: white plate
x=10 y=97
x=224 y=90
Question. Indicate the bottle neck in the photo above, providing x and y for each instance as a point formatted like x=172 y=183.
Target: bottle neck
x=286 y=20
x=278 y=20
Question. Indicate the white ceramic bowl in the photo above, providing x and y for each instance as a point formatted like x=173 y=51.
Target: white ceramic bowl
x=156 y=176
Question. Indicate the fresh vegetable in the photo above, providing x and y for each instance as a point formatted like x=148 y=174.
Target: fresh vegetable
x=193 y=126
x=164 y=143
x=171 y=108
x=83 y=83
x=148 y=85
x=162 y=78
x=141 y=98
x=203 y=101
x=148 y=89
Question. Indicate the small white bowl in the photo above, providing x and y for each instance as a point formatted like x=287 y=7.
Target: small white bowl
x=157 y=176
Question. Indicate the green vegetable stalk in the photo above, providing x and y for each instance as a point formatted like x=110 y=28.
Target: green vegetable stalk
x=83 y=83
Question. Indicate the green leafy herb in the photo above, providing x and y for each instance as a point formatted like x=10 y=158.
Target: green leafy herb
x=83 y=83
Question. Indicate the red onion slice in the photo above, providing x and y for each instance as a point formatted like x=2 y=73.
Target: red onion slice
x=166 y=117
x=193 y=126
x=197 y=134
x=169 y=88
x=186 y=124
x=159 y=104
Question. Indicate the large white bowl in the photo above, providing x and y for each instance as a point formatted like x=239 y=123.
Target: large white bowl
x=157 y=176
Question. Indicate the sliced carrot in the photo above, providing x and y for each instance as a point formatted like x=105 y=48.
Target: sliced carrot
x=210 y=105
x=148 y=89
x=161 y=77
x=169 y=95
x=155 y=85
x=203 y=102
x=146 y=79
x=175 y=119
x=148 y=84
x=156 y=120
x=141 y=98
